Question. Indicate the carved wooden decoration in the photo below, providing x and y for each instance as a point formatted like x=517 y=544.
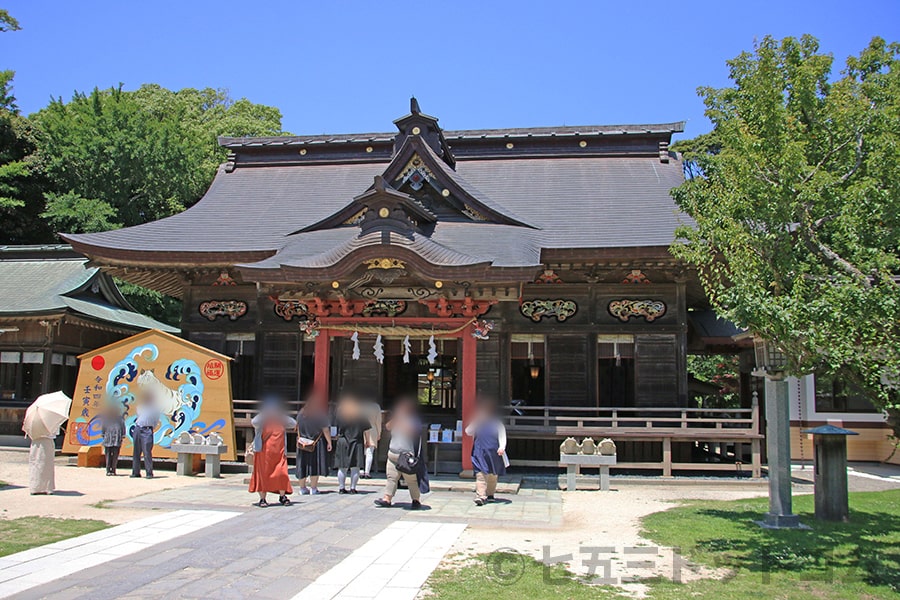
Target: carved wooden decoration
x=536 y=310
x=224 y=279
x=650 y=310
x=233 y=309
x=384 y=308
x=288 y=309
x=467 y=307
x=548 y=276
x=636 y=276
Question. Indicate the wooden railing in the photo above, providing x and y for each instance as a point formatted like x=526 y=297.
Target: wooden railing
x=625 y=419
x=723 y=434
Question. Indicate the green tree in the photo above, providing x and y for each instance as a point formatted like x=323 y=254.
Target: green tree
x=795 y=198
x=21 y=183
x=117 y=158
x=8 y=22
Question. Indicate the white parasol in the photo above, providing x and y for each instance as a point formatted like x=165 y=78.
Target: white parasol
x=46 y=414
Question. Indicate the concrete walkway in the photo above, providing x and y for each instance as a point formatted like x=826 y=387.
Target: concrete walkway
x=393 y=565
x=57 y=562
x=211 y=542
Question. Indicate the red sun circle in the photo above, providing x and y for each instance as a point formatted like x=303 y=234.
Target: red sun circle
x=98 y=362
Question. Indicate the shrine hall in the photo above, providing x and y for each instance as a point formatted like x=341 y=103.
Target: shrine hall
x=531 y=265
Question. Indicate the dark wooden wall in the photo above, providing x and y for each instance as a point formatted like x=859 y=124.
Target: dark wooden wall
x=571 y=345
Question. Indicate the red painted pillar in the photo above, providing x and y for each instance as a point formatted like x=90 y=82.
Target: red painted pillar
x=469 y=390
x=322 y=356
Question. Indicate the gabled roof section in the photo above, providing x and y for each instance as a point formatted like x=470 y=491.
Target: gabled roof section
x=417 y=164
x=416 y=123
x=52 y=280
x=380 y=207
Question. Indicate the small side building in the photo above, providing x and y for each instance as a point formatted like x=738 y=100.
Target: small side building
x=54 y=307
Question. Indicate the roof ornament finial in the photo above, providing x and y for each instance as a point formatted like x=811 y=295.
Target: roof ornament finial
x=414 y=105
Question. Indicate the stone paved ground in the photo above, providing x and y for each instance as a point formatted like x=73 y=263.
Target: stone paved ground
x=275 y=552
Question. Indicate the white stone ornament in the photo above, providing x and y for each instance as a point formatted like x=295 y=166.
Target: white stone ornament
x=379 y=350
x=355 y=338
x=406 y=349
x=432 y=351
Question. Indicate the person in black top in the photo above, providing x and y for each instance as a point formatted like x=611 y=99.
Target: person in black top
x=313 y=445
x=349 y=455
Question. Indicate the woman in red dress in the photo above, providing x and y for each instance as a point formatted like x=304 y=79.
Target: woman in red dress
x=270 y=470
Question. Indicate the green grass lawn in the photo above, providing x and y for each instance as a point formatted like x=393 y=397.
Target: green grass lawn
x=859 y=559
x=855 y=560
x=27 y=532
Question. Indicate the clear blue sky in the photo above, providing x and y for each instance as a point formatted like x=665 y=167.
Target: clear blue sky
x=351 y=66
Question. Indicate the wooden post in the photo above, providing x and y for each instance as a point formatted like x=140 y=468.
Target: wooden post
x=756 y=464
x=469 y=391
x=667 y=456
x=322 y=358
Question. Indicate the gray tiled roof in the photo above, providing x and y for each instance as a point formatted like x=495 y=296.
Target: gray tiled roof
x=36 y=286
x=575 y=202
x=33 y=286
x=115 y=314
x=451 y=244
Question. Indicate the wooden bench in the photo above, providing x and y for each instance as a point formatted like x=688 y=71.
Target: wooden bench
x=574 y=462
x=188 y=452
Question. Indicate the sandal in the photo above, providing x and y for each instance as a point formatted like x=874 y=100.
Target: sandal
x=262 y=504
x=285 y=501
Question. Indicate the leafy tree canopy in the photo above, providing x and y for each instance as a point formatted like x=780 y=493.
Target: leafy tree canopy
x=116 y=158
x=795 y=198
x=8 y=22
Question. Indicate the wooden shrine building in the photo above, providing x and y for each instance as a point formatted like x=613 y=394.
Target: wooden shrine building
x=53 y=307
x=537 y=259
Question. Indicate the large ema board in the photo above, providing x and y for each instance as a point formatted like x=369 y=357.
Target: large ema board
x=192 y=384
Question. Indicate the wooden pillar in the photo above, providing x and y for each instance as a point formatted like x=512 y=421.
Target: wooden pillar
x=322 y=358
x=667 y=457
x=469 y=391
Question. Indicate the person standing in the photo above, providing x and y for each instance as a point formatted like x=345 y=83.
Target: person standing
x=113 y=428
x=406 y=431
x=489 y=458
x=142 y=435
x=313 y=445
x=349 y=454
x=270 y=470
x=41 y=475
x=373 y=411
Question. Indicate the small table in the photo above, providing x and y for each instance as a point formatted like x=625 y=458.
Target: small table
x=574 y=462
x=437 y=449
x=212 y=454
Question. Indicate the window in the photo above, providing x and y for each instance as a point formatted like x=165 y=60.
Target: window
x=615 y=370
x=835 y=394
x=63 y=371
x=21 y=376
x=242 y=348
x=528 y=368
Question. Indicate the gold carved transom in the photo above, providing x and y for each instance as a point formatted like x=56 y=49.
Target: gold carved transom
x=384 y=263
x=357 y=218
x=473 y=214
x=415 y=164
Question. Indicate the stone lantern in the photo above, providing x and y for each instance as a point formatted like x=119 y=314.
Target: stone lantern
x=830 y=442
x=771 y=364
